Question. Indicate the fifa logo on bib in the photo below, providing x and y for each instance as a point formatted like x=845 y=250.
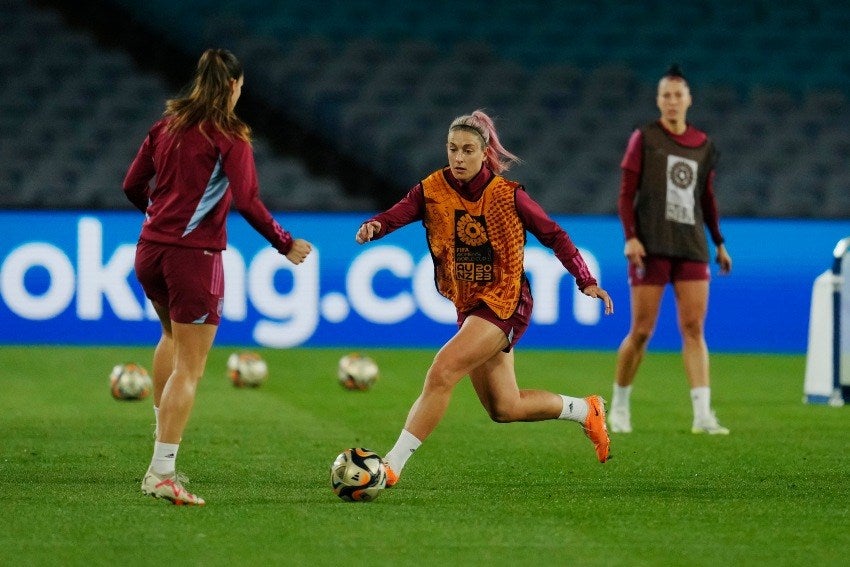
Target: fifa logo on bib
x=473 y=251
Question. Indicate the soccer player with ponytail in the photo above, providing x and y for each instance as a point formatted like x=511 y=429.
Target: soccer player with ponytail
x=192 y=165
x=475 y=222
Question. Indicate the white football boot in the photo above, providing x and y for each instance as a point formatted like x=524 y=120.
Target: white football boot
x=620 y=420
x=169 y=487
x=709 y=425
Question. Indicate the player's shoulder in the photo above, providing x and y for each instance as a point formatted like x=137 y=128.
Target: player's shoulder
x=696 y=135
x=158 y=127
x=233 y=146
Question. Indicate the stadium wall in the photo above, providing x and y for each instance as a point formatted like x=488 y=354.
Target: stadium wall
x=67 y=278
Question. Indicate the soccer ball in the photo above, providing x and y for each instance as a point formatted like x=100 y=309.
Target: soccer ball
x=247 y=369
x=358 y=475
x=130 y=382
x=357 y=372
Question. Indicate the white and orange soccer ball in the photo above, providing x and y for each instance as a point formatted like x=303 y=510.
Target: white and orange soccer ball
x=358 y=475
x=130 y=382
x=357 y=372
x=247 y=369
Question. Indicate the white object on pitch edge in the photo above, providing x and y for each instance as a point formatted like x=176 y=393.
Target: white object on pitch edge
x=827 y=377
x=818 y=385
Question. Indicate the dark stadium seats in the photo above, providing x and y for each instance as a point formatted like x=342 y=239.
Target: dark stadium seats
x=567 y=82
x=76 y=115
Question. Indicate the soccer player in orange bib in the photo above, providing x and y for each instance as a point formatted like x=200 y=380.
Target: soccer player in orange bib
x=666 y=202
x=475 y=222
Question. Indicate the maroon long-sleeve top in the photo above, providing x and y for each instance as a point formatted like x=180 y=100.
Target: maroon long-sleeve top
x=535 y=220
x=195 y=179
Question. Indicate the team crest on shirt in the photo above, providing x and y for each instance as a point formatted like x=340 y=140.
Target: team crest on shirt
x=681 y=189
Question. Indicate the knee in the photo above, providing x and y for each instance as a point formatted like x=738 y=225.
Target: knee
x=692 y=330
x=502 y=413
x=185 y=378
x=441 y=378
x=640 y=336
x=501 y=417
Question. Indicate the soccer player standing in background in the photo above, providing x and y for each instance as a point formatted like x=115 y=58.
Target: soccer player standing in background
x=475 y=223
x=200 y=159
x=666 y=201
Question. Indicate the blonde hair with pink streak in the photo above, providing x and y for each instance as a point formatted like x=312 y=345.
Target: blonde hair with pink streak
x=496 y=157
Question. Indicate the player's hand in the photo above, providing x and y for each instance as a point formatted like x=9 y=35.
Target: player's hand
x=367 y=231
x=599 y=293
x=300 y=249
x=635 y=252
x=723 y=260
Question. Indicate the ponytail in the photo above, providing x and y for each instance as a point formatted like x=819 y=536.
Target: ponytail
x=208 y=98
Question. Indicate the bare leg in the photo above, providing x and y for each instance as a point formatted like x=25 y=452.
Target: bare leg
x=163 y=355
x=646 y=302
x=496 y=386
x=495 y=383
x=692 y=303
x=192 y=344
x=476 y=342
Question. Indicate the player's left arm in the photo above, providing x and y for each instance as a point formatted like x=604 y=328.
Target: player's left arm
x=551 y=235
x=599 y=293
x=711 y=216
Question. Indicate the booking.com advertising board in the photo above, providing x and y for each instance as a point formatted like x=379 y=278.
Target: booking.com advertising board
x=66 y=278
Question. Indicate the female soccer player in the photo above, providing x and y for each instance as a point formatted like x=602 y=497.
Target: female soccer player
x=200 y=158
x=475 y=222
x=666 y=197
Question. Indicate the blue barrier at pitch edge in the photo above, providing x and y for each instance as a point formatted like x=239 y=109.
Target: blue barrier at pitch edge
x=66 y=278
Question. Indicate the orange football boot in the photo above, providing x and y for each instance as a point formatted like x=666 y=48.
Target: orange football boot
x=392 y=477
x=595 y=428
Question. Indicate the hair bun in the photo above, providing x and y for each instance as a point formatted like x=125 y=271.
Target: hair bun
x=675 y=70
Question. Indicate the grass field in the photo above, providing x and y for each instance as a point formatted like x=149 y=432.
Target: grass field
x=774 y=492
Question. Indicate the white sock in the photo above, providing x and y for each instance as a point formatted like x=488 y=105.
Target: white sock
x=621 y=397
x=402 y=450
x=164 y=458
x=156 y=416
x=575 y=409
x=701 y=400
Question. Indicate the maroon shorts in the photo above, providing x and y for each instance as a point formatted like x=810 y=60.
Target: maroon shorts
x=514 y=326
x=661 y=270
x=189 y=281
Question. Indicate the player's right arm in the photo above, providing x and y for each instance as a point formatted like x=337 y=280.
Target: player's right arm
x=409 y=209
x=139 y=175
x=629 y=182
x=367 y=231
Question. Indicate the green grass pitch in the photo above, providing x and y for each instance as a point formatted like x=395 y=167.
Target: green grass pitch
x=774 y=492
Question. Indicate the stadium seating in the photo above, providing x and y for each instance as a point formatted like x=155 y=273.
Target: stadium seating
x=77 y=113
x=567 y=82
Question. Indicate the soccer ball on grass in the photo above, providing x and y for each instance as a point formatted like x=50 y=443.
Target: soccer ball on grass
x=358 y=475
x=247 y=369
x=130 y=382
x=357 y=372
